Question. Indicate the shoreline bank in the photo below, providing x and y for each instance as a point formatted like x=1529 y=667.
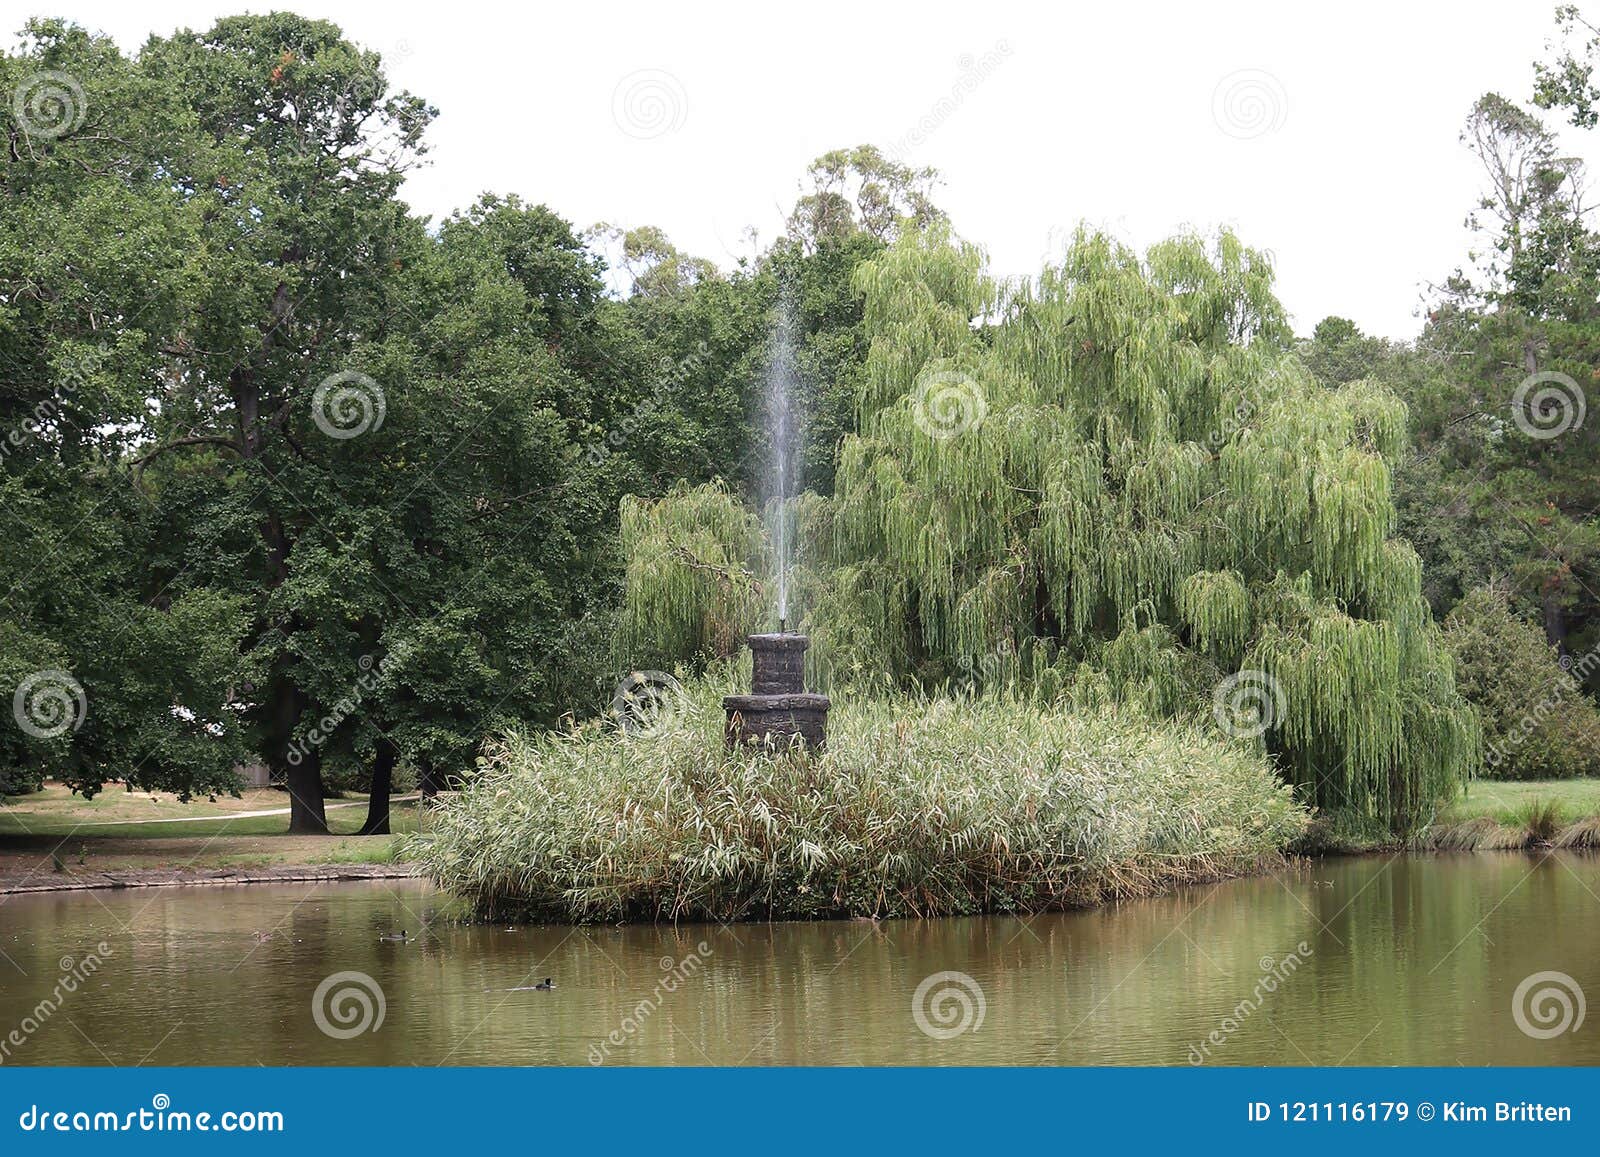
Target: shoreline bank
x=1445 y=841
x=168 y=878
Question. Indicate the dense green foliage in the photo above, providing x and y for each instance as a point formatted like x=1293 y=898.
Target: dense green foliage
x=1502 y=484
x=921 y=807
x=277 y=522
x=291 y=476
x=1500 y=489
x=1117 y=474
x=1537 y=723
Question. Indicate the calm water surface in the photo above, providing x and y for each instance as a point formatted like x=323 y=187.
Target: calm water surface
x=1404 y=961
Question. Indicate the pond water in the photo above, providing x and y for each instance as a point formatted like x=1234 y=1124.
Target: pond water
x=1362 y=961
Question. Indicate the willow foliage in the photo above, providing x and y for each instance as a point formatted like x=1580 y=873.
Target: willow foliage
x=1118 y=468
x=689 y=581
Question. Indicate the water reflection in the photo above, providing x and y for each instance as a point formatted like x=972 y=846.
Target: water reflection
x=1403 y=961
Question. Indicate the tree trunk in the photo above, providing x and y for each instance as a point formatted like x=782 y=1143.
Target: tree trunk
x=306 y=815
x=1555 y=618
x=303 y=775
x=430 y=784
x=382 y=781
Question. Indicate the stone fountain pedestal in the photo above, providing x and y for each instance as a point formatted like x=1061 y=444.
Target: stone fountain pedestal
x=779 y=706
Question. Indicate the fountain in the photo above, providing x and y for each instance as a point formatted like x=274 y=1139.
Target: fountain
x=779 y=707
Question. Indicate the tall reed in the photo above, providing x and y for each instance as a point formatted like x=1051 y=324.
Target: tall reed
x=918 y=808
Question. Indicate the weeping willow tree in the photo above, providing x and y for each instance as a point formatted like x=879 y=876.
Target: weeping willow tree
x=1115 y=480
x=691 y=591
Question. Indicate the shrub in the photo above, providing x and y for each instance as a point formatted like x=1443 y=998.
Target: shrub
x=1537 y=722
x=919 y=807
x=19 y=781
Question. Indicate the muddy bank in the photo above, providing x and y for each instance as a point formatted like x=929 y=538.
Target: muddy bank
x=12 y=883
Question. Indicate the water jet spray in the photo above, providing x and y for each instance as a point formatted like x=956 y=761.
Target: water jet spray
x=779 y=710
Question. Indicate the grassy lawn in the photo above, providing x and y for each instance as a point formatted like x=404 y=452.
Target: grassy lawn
x=117 y=813
x=121 y=831
x=1509 y=801
x=32 y=855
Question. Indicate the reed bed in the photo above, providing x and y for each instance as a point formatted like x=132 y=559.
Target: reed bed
x=1585 y=834
x=1479 y=834
x=1540 y=824
x=919 y=807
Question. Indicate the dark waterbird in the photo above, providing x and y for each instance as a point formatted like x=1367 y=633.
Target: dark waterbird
x=545 y=985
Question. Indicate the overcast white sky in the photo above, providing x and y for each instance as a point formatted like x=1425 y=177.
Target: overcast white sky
x=1340 y=154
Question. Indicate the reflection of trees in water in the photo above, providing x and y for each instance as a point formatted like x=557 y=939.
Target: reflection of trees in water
x=1136 y=983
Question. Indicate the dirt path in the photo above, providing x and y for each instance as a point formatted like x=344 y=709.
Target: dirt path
x=276 y=811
